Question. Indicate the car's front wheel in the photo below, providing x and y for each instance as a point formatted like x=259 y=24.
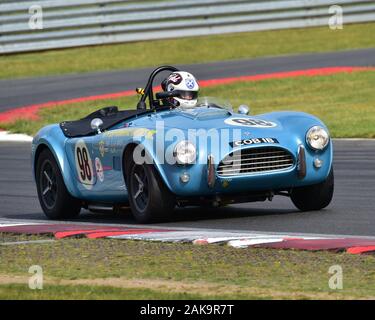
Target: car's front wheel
x=149 y=198
x=54 y=198
x=314 y=197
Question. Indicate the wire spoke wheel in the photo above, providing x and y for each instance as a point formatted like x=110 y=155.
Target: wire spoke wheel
x=54 y=198
x=149 y=198
x=140 y=187
x=48 y=184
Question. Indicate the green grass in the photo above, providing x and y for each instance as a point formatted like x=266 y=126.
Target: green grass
x=345 y=102
x=78 y=292
x=187 y=50
x=111 y=269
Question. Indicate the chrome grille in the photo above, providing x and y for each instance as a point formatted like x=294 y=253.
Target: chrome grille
x=253 y=160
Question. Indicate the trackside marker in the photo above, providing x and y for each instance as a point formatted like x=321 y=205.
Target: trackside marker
x=30 y=112
x=359 y=250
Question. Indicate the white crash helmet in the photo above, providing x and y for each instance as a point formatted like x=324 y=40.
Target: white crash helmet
x=187 y=87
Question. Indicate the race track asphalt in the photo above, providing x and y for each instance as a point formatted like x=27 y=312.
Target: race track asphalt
x=22 y=92
x=352 y=211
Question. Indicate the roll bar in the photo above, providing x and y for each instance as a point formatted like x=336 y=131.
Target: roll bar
x=148 y=91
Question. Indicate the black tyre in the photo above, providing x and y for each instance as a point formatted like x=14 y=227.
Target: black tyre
x=149 y=198
x=54 y=198
x=314 y=197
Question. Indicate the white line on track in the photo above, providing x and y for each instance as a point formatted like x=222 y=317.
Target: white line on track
x=5 y=136
x=26 y=242
x=353 y=139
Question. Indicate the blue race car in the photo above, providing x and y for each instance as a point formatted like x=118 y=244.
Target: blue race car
x=181 y=150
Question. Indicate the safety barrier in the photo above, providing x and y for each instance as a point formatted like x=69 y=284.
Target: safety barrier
x=50 y=24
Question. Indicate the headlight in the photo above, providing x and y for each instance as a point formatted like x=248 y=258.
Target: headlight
x=317 y=138
x=185 y=152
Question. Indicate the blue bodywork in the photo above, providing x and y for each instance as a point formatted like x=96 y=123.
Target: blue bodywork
x=109 y=147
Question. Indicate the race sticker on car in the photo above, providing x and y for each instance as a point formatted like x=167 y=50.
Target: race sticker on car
x=246 y=142
x=99 y=169
x=84 y=165
x=250 y=122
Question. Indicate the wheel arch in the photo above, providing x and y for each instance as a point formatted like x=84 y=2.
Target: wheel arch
x=126 y=159
x=38 y=151
x=62 y=163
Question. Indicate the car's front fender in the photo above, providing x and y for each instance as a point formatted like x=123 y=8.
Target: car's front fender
x=291 y=133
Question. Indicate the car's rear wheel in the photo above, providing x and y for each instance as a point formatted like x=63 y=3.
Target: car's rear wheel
x=54 y=198
x=314 y=197
x=149 y=198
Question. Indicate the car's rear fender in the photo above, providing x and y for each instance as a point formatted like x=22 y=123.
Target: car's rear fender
x=52 y=137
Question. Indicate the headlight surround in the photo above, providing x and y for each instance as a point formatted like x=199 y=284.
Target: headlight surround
x=317 y=138
x=185 y=152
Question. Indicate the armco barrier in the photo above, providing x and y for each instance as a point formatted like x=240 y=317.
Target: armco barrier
x=72 y=23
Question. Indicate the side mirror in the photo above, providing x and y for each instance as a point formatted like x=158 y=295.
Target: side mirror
x=96 y=124
x=243 y=109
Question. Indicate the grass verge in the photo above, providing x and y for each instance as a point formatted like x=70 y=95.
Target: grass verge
x=187 y=50
x=345 y=102
x=118 y=269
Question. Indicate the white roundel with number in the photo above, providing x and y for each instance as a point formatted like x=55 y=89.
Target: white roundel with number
x=84 y=164
x=250 y=122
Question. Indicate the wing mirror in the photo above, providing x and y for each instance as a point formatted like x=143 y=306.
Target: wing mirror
x=96 y=124
x=243 y=109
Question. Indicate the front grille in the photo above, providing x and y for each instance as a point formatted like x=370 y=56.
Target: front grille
x=253 y=160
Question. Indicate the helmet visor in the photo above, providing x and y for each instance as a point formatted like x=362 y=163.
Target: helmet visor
x=187 y=95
